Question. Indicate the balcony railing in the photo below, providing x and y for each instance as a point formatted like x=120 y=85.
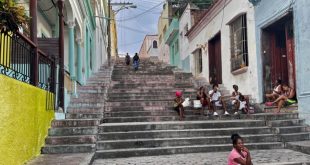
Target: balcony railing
x=17 y=60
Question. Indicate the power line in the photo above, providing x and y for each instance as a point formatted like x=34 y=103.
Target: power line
x=127 y=19
x=131 y=43
x=132 y=29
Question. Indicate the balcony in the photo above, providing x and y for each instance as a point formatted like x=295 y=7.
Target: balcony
x=172 y=31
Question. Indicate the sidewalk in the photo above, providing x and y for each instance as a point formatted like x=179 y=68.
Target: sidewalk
x=261 y=157
x=62 y=159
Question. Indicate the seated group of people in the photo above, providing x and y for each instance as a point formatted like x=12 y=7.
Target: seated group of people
x=282 y=95
x=212 y=100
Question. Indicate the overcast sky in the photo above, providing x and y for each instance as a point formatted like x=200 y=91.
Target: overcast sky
x=134 y=23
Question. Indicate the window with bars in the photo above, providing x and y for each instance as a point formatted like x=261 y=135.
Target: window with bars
x=198 y=61
x=239 y=43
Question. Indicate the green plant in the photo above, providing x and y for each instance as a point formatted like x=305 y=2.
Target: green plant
x=12 y=16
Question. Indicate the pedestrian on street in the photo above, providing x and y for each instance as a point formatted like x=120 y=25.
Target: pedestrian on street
x=136 y=61
x=127 y=59
x=239 y=155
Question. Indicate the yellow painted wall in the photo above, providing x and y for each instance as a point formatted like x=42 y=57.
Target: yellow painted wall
x=24 y=121
x=114 y=47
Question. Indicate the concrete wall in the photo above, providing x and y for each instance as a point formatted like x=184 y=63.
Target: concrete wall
x=267 y=12
x=24 y=121
x=217 y=21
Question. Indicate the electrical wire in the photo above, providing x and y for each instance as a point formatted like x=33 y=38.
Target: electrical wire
x=138 y=15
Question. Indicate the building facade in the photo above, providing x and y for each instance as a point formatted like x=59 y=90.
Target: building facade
x=223 y=46
x=163 y=24
x=149 y=47
x=191 y=15
x=282 y=47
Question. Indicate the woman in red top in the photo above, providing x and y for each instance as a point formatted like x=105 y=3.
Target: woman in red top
x=239 y=155
x=204 y=99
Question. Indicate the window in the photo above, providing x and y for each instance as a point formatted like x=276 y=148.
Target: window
x=239 y=45
x=155 y=44
x=198 y=61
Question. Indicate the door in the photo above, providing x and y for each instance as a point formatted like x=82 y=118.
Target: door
x=215 y=60
x=279 y=56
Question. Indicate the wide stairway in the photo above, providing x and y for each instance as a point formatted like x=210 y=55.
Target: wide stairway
x=77 y=133
x=139 y=119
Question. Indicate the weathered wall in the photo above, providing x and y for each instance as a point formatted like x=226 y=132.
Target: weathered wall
x=217 y=21
x=24 y=121
x=268 y=12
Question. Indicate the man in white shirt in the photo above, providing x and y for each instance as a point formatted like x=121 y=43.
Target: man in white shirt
x=216 y=100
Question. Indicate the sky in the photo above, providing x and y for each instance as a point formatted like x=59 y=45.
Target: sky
x=134 y=23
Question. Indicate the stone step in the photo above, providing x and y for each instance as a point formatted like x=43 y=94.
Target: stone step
x=300 y=146
x=143 y=91
x=66 y=131
x=78 y=109
x=89 y=100
x=91 y=95
x=291 y=108
x=150 y=94
x=84 y=115
x=77 y=139
x=182 y=133
x=74 y=148
x=129 y=103
x=119 y=153
x=75 y=122
x=151 y=119
x=86 y=105
x=295 y=136
x=180 y=141
x=291 y=129
x=289 y=122
x=178 y=125
x=191 y=111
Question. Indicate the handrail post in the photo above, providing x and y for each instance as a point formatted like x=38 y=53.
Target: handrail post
x=33 y=36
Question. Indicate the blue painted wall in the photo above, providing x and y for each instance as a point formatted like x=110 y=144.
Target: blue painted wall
x=269 y=11
x=186 y=64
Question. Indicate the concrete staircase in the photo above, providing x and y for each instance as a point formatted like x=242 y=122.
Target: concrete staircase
x=139 y=120
x=78 y=132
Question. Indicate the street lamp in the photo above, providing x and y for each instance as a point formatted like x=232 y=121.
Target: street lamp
x=124 y=7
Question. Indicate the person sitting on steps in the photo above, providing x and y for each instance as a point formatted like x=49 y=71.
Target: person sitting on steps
x=136 y=61
x=178 y=104
x=216 y=100
x=287 y=98
x=204 y=99
x=236 y=101
x=277 y=91
x=127 y=59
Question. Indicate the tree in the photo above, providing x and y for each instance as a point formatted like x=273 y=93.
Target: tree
x=12 y=16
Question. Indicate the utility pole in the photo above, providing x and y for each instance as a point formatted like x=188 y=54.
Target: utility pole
x=109 y=33
x=124 y=4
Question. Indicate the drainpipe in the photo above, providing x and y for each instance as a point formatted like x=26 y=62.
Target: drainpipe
x=33 y=36
x=61 y=54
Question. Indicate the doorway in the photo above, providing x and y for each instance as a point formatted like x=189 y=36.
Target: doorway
x=278 y=53
x=215 y=60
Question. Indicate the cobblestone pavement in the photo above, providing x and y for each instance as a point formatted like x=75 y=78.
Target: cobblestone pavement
x=62 y=159
x=261 y=157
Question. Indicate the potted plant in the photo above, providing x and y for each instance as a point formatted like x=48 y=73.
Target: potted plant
x=12 y=16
